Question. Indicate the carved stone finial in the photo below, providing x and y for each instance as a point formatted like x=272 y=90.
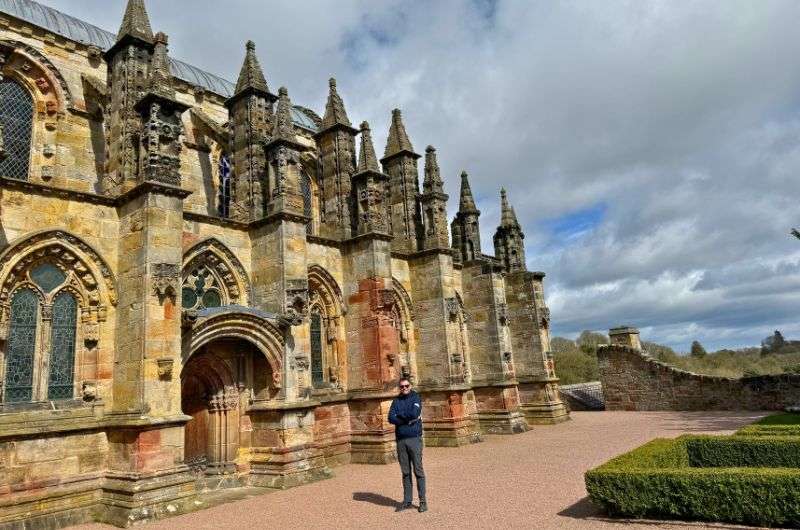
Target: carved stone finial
x=433 y=180
x=367 y=161
x=335 y=113
x=283 y=117
x=160 y=76
x=466 y=202
x=508 y=218
x=398 y=141
x=135 y=22
x=251 y=77
x=508 y=239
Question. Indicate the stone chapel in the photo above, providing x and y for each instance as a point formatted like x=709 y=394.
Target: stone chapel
x=204 y=284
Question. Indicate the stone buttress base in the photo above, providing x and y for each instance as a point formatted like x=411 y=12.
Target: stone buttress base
x=449 y=418
x=130 y=498
x=287 y=467
x=540 y=403
x=498 y=410
x=372 y=436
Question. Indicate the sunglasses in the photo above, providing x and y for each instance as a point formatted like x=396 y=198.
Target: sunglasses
x=405 y=386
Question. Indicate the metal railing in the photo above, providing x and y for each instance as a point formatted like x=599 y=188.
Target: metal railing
x=590 y=395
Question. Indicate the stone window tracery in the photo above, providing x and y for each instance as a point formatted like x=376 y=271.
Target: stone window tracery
x=201 y=289
x=16 y=122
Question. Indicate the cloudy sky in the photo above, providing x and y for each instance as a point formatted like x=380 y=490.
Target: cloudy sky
x=651 y=148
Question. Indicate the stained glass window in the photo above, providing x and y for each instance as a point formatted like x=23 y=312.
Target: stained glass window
x=224 y=186
x=317 y=377
x=48 y=277
x=62 y=343
x=305 y=188
x=201 y=290
x=20 y=347
x=16 y=119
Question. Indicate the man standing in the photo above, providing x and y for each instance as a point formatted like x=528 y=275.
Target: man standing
x=405 y=414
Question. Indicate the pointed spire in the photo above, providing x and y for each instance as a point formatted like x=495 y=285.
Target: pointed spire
x=433 y=179
x=160 y=77
x=283 y=129
x=398 y=141
x=251 y=77
x=335 y=113
x=135 y=22
x=367 y=161
x=466 y=203
x=508 y=218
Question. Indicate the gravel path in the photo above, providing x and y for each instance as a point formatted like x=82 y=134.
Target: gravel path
x=532 y=480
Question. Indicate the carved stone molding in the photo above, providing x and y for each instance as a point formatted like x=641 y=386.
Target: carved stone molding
x=89 y=390
x=502 y=314
x=302 y=362
x=72 y=253
x=165 y=365
x=43 y=64
x=166 y=280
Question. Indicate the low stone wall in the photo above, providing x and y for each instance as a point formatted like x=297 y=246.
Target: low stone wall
x=634 y=381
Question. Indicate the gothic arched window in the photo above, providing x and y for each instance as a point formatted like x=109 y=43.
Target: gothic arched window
x=16 y=121
x=37 y=369
x=317 y=347
x=328 y=358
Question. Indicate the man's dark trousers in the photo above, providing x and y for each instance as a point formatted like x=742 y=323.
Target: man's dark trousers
x=409 y=453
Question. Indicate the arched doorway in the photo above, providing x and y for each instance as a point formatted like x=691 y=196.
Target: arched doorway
x=218 y=382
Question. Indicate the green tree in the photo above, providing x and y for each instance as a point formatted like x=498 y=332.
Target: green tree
x=697 y=349
x=773 y=344
x=589 y=341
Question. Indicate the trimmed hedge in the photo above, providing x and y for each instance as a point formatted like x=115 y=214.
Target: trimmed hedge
x=769 y=430
x=657 y=480
x=741 y=451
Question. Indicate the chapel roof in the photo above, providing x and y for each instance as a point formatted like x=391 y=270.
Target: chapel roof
x=81 y=31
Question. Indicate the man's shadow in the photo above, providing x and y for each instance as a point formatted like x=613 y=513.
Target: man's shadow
x=374 y=498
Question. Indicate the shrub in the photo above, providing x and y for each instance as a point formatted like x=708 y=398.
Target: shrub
x=658 y=480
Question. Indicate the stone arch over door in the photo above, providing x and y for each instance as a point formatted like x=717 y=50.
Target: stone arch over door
x=328 y=348
x=231 y=361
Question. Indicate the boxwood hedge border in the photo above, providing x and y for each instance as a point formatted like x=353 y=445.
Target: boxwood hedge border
x=738 y=479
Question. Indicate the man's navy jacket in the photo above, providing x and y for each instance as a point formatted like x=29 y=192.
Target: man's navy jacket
x=405 y=414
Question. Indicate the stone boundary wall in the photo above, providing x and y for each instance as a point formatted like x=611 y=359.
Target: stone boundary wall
x=632 y=380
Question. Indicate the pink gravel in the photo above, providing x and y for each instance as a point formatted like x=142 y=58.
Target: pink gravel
x=532 y=480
